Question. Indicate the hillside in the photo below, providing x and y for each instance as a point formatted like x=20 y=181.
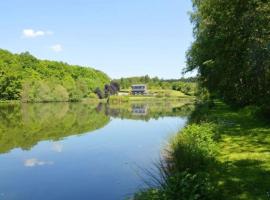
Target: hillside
x=24 y=77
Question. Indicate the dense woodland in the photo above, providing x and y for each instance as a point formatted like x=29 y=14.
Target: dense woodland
x=232 y=50
x=24 y=77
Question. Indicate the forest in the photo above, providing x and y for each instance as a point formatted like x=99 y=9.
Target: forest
x=231 y=50
x=26 y=78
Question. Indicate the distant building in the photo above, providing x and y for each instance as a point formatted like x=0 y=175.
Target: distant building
x=138 y=89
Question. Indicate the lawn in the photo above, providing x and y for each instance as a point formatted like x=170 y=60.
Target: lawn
x=229 y=148
x=244 y=152
x=155 y=94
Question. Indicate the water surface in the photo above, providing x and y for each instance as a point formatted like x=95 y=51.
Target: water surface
x=81 y=151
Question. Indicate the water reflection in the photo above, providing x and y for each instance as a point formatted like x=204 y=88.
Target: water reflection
x=33 y=162
x=147 y=111
x=139 y=109
x=102 y=163
x=57 y=147
x=23 y=126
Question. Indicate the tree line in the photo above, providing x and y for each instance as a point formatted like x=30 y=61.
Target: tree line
x=26 y=78
x=231 y=50
x=185 y=85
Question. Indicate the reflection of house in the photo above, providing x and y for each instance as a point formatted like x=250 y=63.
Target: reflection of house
x=139 y=89
x=139 y=110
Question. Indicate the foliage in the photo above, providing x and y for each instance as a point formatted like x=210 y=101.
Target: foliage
x=185 y=174
x=185 y=87
x=244 y=139
x=118 y=99
x=153 y=83
x=180 y=186
x=193 y=149
x=229 y=146
x=24 y=125
x=111 y=89
x=121 y=107
x=24 y=77
x=99 y=93
x=231 y=49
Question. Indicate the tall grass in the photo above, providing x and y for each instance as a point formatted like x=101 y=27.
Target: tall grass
x=184 y=173
x=221 y=154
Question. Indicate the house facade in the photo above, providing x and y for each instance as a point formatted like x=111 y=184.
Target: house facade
x=139 y=89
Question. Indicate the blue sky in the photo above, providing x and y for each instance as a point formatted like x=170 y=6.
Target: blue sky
x=120 y=37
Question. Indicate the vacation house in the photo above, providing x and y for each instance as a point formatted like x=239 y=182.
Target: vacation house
x=139 y=89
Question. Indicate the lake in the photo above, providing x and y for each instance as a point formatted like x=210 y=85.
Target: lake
x=81 y=151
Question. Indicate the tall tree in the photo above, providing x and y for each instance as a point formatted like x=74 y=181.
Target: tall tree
x=232 y=49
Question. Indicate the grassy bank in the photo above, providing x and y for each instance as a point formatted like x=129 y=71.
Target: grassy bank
x=221 y=154
x=156 y=93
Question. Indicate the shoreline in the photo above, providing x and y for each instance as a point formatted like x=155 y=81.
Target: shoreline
x=218 y=155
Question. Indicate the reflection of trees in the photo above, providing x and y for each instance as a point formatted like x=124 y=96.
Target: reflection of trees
x=151 y=111
x=23 y=126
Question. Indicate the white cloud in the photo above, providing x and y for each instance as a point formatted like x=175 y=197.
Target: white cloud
x=57 y=47
x=35 y=162
x=30 y=33
x=57 y=147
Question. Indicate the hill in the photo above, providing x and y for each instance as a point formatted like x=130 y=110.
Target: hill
x=26 y=78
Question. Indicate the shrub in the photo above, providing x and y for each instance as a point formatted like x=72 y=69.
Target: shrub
x=118 y=99
x=180 y=186
x=185 y=172
x=99 y=93
x=193 y=148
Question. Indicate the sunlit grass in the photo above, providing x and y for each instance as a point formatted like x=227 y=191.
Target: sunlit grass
x=244 y=152
x=239 y=168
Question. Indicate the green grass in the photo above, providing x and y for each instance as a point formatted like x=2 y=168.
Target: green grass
x=230 y=147
x=152 y=96
x=166 y=93
x=244 y=152
x=157 y=93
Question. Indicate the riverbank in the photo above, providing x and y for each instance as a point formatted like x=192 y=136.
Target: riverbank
x=222 y=153
x=154 y=96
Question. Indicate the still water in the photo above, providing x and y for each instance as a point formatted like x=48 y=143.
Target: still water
x=81 y=151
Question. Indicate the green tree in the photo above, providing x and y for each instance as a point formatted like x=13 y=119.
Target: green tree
x=24 y=77
x=231 y=49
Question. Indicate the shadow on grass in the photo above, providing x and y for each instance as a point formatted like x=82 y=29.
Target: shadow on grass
x=225 y=151
x=243 y=169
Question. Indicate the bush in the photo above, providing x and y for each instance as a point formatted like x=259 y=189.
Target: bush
x=185 y=173
x=118 y=99
x=193 y=148
x=99 y=93
x=180 y=186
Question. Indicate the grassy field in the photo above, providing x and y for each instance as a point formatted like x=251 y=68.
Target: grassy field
x=223 y=153
x=158 y=93
x=153 y=95
x=243 y=156
x=244 y=151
